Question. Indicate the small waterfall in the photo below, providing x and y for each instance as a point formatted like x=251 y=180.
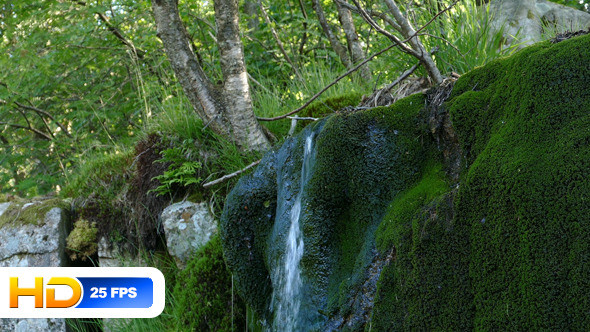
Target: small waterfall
x=286 y=298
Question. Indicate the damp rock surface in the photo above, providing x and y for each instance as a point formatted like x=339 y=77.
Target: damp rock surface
x=397 y=235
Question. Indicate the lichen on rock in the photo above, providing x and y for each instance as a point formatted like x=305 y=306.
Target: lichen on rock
x=82 y=241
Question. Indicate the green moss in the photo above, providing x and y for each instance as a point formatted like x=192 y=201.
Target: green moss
x=17 y=214
x=321 y=108
x=506 y=249
x=407 y=204
x=82 y=241
x=523 y=122
x=204 y=296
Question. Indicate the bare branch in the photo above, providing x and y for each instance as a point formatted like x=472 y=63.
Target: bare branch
x=47 y=114
x=36 y=131
x=113 y=29
x=279 y=42
x=373 y=13
x=332 y=38
x=350 y=71
x=229 y=176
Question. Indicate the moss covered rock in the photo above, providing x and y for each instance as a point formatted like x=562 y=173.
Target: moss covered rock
x=361 y=161
x=391 y=243
x=204 y=296
x=511 y=251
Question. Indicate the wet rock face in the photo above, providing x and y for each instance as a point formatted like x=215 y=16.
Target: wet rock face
x=33 y=234
x=360 y=161
x=188 y=227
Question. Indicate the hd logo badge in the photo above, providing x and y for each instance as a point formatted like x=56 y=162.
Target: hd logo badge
x=64 y=292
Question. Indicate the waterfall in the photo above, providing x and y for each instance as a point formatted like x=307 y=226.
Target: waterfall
x=286 y=298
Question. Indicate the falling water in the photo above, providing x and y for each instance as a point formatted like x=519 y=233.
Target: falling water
x=286 y=299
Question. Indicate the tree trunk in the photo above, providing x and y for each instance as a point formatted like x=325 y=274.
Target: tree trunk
x=251 y=9
x=334 y=42
x=345 y=17
x=228 y=111
x=408 y=32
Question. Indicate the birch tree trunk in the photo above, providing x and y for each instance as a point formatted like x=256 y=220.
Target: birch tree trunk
x=334 y=42
x=356 y=50
x=227 y=109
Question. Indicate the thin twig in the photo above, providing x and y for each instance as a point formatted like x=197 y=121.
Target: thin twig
x=350 y=71
x=434 y=18
x=445 y=40
x=36 y=131
x=279 y=42
x=229 y=176
x=47 y=114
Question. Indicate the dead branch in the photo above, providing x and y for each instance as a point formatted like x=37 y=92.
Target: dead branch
x=36 y=131
x=279 y=42
x=47 y=114
x=229 y=176
x=350 y=71
x=115 y=31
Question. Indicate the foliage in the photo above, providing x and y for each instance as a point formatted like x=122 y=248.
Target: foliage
x=204 y=295
x=82 y=242
x=181 y=172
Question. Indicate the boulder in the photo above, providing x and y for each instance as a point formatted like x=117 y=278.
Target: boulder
x=527 y=19
x=33 y=234
x=188 y=227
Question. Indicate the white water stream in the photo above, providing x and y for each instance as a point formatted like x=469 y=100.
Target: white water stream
x=286 y=299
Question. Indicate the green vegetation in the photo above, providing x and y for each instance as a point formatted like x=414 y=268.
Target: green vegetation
x=523 y=196
x=99 y=117
x=508 y=252
x=204 y=296
x=82 y=241
x=22 y=212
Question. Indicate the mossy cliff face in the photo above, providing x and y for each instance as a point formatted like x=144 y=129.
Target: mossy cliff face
x=391 y=244
x=524 y=124
x=361 y=161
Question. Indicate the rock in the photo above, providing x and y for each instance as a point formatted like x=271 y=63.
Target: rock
x=33 y=234
x=526 y=19
x=188 y=227
x=115 y=255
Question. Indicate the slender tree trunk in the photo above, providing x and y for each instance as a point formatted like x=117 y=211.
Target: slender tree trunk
x=251 y=9
x=334 y=42
x=408 y=32
x=279 y=42
x=227 y=110
x=356 y=50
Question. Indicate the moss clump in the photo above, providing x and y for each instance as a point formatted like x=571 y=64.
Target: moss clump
x=524 y=123
x=204 y=295
x=421 y=287
x=21 y=212
x=319 y=109
x=82 y=241
x=512 y=250
x=409 y=203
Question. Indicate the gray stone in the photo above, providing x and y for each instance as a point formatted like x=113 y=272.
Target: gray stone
x=188 y=227
x=35 y=245
x=25 y=242
x=117 y=255
x=523 y=18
